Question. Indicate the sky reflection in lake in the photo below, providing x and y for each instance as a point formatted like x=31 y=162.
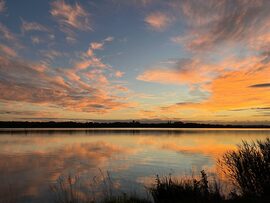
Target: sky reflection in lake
x=31 y=161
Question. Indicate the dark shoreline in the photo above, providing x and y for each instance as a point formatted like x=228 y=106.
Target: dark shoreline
x=134 y=124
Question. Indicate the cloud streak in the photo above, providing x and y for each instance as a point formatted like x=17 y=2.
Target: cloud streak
x=262 y=85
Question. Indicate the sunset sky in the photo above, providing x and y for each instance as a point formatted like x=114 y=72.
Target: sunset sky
x=190 y=60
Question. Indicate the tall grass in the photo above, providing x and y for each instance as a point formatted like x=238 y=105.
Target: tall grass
x=167 y=189
x=124 y=198
x=248 y=168
x=68 y=189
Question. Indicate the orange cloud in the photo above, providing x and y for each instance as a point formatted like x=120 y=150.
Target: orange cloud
x=230 y=84
x=234 y=89
x=185 y=71
x=169 y=77
x=245 y=88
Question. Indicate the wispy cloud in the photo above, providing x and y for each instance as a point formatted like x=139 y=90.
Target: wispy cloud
x=32 y=26
x=2 y=6
x=70 y=16
x=218 y=22
x=89 y=59
x=96 y=45
x=139 y=3
x=51 y=54
x=6 y=33
x=47 y=86
x=99 y=45
x=158 y=20
x=36 y=40
x=84 y=87
x=8 y=51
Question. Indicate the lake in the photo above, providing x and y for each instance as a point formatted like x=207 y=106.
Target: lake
x=33 y=160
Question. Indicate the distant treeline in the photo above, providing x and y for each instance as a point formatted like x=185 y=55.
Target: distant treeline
x=133 y=124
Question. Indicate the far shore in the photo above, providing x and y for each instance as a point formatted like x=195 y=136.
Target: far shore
x=118 y=125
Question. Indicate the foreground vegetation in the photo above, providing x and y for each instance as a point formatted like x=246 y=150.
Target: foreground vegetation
x=247 y=168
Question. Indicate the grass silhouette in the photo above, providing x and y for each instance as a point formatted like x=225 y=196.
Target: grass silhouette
x=186 y=190
x=248 y=168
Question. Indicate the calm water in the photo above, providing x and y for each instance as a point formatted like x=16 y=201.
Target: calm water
x=31 y=161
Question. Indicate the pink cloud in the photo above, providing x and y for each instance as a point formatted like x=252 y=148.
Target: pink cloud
x=2 y=6
x=208 y=27
x=7 y=50
x=36 y=40
x=32 y=26
x=90 y=52
x=99 y=45
x=119 y=74
x=6 y=33
x=158 y=20
x=62 y=89
x=96 y=45
x=70 y=16
x=89 y=59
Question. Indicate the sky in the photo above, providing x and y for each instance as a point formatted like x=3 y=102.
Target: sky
x=189 y=60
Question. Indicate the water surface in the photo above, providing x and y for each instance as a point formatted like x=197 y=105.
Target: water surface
x=32 y=160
